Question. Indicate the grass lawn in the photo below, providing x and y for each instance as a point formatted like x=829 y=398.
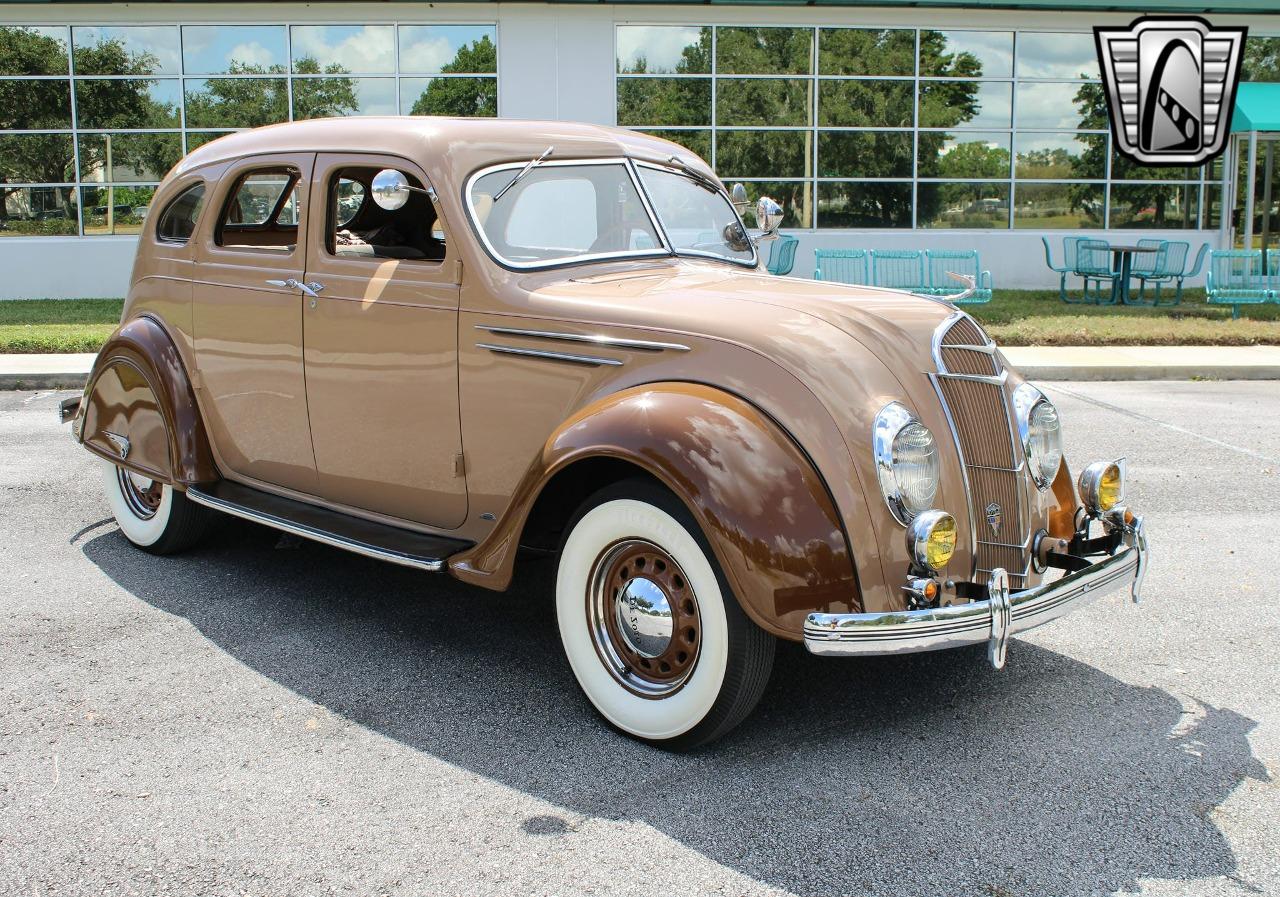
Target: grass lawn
x=1013 y=318
x=57 y=325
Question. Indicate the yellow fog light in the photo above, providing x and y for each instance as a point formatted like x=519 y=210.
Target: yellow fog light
x=931 y=539
x=1102 y=486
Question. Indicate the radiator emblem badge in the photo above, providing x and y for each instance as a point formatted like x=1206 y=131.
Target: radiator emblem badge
x=994 y=515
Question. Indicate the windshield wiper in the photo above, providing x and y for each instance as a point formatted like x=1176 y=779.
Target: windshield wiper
x=697 y=176
x=528 y=167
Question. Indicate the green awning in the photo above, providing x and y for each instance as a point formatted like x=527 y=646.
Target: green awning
x=1257 y=107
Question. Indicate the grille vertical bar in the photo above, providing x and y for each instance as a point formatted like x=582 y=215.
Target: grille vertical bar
x=979 y=413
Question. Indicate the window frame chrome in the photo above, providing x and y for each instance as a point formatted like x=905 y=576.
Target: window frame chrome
x=754 y=262
x=664 y=251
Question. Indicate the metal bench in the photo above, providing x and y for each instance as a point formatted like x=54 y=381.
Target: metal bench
x=1236 y=278
x=899 y=269
x=782 y=255
x=944 y=262
x=842 y=266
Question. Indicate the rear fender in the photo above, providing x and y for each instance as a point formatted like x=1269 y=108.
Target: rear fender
x=139 y=410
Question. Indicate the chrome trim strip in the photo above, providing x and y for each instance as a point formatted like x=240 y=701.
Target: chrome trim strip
x=598 y=339
x=594 y=360
x=988 y=349
x=931 y=629
x=316 y=535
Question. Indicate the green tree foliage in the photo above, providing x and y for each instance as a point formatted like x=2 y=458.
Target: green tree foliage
x=253 y=102
x=1261 y=59
x=122 y=104
x=463 y=96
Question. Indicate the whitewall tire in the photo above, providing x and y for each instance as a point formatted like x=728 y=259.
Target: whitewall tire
x=652 y=631
x=152 y=515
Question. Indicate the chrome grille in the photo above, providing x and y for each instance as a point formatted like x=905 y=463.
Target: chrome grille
x=970 y=382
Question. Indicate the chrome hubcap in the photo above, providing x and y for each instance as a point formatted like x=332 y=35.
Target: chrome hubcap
x=644 y=617
x=142 y=495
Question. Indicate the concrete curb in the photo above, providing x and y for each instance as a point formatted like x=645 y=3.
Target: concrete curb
x=42 y=381
x=1153 y=372
x=45 y=371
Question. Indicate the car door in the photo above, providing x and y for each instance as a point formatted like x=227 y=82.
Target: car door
x=247 y=321
x=381 y=348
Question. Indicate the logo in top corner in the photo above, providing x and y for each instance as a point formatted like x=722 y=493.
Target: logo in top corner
x=1171 y=85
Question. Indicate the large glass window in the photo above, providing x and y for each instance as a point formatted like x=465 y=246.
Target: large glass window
x=903 y=127
x=92 y=117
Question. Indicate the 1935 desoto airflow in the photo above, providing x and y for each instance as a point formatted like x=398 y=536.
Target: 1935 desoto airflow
x=435 y=341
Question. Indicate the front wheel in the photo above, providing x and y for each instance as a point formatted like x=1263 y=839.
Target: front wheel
x=152 y=515
x=650 y=626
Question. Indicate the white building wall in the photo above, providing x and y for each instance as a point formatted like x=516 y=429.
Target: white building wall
x=555 y=62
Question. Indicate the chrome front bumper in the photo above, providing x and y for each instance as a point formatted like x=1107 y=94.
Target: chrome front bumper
x=992 y=620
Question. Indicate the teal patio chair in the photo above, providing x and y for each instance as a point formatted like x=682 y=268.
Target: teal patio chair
x=1095 y=265
x=943 y=262
x=1170 y=266
x=899 y=269
x=842 y=266
x=1236 y=278
x=1069 y=245
x=782 y=255
x=1145 y=262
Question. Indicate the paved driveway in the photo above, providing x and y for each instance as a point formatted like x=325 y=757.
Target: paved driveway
x=264 y=717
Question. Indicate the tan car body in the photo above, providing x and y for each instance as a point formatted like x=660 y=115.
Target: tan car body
x=380 y=399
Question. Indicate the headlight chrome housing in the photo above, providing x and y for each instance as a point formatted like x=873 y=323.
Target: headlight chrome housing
x=931 y=540
x=1040 y=431
x=906 y=461
x=1102 y=486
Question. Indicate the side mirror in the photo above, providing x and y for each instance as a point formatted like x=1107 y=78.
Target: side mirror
x=768 y=218
x=390 y=189
x=738 y=195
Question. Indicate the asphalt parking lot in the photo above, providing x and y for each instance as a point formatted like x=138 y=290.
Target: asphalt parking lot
x=262 y=717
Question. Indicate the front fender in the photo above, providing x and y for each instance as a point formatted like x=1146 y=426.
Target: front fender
x=761 y=503
x=139 y=410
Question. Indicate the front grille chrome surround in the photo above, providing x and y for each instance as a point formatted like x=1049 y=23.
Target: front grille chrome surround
x=970 y=382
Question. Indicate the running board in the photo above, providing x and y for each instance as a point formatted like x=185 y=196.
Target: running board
x=376 y=540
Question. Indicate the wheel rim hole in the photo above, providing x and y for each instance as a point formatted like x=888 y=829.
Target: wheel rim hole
x=682 y=657
x=664 y=667
x=660 y=566
x=688 y=606
x=678 y=582
x=691 y=635
x=639 y=563
x=625 y=573
x=644 y=662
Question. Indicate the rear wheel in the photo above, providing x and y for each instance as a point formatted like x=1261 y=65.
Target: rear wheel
x=651 y=628
x=152 y=515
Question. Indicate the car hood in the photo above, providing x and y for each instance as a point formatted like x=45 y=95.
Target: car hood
x=895 y=327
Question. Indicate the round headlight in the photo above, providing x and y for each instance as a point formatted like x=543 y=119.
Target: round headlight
x=1041 y=431
x=931 y=540
x=1101 y=486
x=906 y=461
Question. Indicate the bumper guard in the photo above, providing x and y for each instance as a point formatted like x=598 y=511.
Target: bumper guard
x=992 y=620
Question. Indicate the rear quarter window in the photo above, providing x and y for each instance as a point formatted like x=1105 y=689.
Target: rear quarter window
x=178 y=221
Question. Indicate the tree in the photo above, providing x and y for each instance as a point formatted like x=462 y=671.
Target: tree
x=253 y=102
x=463 y=96
x=1261 y=59
x=112 y=104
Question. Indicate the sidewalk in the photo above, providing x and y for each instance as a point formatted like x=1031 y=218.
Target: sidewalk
x=1036 y=363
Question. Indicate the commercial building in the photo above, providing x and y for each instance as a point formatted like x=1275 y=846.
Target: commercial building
x=941 y=124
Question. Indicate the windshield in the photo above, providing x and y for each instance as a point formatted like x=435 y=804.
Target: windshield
x=578 y=211
x=558 y=212
x=693 y=217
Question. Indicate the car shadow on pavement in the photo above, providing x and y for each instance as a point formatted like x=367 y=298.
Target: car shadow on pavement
x=923 y=775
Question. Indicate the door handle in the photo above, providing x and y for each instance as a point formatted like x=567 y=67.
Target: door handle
x=311 y=289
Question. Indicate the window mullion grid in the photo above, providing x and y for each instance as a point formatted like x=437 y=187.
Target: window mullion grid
x=915 y=137
x=715 y=90
x=288 y=81
x=75 y=136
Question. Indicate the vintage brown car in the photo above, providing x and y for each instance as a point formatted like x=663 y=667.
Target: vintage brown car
x=435 y=341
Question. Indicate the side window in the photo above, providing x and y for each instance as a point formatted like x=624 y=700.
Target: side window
x=262 y=211
x=178 y=220
x=359 y=227
x=559 y=214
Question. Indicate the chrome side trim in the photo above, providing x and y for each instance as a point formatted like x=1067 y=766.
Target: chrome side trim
x=317 y=535
x=597 y=339
x=998 y=379
x=931 y=629
x=594 y=360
